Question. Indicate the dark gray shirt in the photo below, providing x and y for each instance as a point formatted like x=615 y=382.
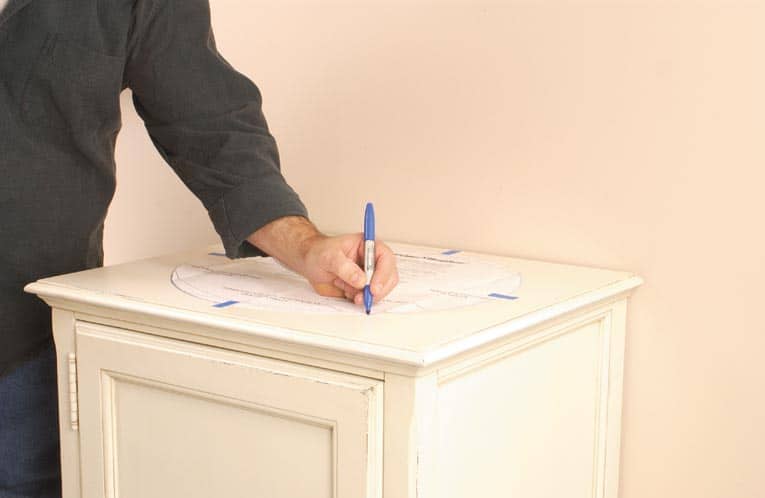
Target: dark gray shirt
x=63 y=65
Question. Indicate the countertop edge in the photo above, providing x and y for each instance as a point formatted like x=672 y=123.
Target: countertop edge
x=48 y=290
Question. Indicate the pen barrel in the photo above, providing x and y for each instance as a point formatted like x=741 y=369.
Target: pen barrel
x=369 y=259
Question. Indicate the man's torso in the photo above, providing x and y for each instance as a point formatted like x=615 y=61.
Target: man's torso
x=61 y=71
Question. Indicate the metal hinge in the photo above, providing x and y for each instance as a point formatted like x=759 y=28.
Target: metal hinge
x=73 y=409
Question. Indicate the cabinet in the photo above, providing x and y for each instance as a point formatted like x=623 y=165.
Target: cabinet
x=163 y=395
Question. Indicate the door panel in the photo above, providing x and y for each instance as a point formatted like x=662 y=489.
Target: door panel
x=163 y=418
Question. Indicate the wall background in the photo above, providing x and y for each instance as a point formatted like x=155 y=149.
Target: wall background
x=626 y=135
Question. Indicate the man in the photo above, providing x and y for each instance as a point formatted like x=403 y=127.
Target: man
x=63 y=65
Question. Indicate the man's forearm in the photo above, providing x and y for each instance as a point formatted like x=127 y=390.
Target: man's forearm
x=286 y=239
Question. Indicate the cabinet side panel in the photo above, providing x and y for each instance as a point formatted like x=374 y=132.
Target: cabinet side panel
x=527 y=423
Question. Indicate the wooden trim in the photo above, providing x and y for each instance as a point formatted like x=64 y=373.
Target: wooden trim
x=63 y=333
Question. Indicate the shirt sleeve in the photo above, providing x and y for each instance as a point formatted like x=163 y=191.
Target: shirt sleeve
x=206 y=120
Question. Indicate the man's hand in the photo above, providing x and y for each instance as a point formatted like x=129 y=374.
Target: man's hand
x=330 y=264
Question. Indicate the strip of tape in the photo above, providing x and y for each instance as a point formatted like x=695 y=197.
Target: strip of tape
x=502 y=296
x=225 y=304
x=450 y=252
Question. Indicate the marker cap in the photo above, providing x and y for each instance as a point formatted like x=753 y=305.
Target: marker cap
x=369 y=222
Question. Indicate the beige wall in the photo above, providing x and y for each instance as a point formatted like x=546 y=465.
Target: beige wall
x=625 y=135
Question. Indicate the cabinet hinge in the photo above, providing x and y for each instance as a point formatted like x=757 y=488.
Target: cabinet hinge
x=73 y=409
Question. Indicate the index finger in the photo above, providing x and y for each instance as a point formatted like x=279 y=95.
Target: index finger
x=348 y=271
x=385 y=276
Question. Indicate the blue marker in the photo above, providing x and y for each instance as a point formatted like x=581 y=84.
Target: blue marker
x=369 y=253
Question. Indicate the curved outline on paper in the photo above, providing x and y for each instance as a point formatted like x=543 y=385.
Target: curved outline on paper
x=427 y=283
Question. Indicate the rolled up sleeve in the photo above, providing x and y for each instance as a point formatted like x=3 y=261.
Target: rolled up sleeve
x=206 y=120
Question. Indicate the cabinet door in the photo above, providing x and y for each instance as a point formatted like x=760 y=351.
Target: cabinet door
x=163 y=418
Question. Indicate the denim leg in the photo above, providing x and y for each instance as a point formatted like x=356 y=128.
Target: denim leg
x=29 y=444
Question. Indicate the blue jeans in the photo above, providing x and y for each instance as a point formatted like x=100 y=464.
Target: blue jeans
x=29 y=445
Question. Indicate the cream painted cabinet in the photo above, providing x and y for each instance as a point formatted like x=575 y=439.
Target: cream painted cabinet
x=163 y=395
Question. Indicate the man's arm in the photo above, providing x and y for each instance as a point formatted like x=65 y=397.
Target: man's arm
x=206 y=121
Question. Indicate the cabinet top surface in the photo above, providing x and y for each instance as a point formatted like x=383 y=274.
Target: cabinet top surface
x=547 y=290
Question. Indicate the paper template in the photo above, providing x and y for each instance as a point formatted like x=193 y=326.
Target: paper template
x=429 y=280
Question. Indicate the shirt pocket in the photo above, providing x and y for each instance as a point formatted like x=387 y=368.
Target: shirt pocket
x=73 y=88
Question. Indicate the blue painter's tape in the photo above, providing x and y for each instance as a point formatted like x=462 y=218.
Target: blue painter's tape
x=502 y=296
x=450 y=252
x=225 y=304
x=216 y=253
